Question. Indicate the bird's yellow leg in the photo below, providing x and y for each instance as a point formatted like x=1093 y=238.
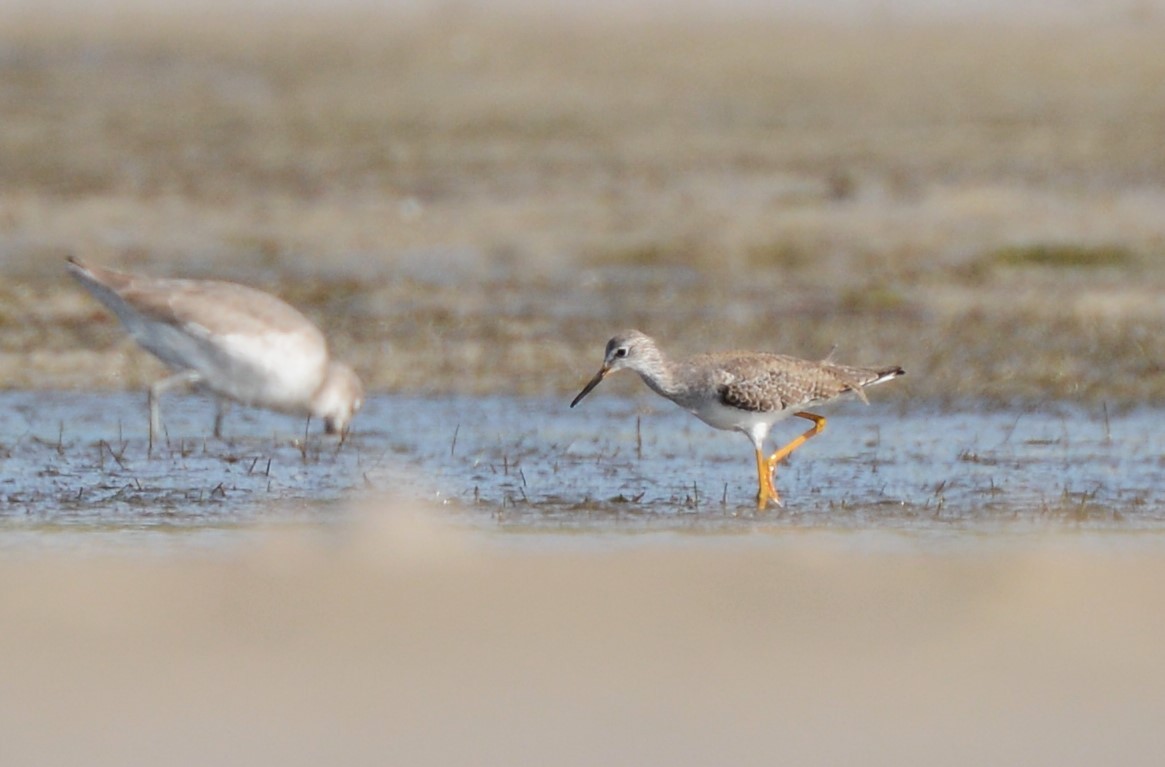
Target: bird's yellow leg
x=783 y=453
x=766 y=492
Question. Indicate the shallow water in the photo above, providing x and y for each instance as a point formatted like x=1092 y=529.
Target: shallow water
x=76 y=463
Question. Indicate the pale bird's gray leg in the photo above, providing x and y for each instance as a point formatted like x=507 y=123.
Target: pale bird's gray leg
x=186 y=378
x=222 y=406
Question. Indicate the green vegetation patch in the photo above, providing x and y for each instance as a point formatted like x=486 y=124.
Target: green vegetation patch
x=1063 y=256
x=873 y=299
x=780 y=253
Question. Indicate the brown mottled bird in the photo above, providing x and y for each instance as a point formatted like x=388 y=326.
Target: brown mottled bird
x=741 y=391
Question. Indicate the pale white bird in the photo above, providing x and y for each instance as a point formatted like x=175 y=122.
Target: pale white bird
x=239 y=343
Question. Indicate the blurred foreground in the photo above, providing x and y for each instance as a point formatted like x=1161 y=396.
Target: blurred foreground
x=401 y=641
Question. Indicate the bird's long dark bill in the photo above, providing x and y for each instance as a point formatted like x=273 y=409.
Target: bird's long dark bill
x=599 y=376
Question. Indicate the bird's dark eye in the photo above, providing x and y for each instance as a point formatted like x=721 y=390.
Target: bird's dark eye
x=621 y=351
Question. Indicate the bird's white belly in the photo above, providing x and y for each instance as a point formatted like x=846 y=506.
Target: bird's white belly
x=272 y=370
x=276 y=370
x=721 y=416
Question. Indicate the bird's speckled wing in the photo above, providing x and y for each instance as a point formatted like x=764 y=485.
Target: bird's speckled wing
x=773 y=382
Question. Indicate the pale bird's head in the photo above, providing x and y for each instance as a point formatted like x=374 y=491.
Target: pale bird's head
x=338 y=398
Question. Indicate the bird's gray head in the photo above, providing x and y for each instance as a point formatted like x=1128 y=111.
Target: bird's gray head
x=338 y=398
x=628 y=349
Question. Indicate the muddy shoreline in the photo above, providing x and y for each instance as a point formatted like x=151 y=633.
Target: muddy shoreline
x=474 y=205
